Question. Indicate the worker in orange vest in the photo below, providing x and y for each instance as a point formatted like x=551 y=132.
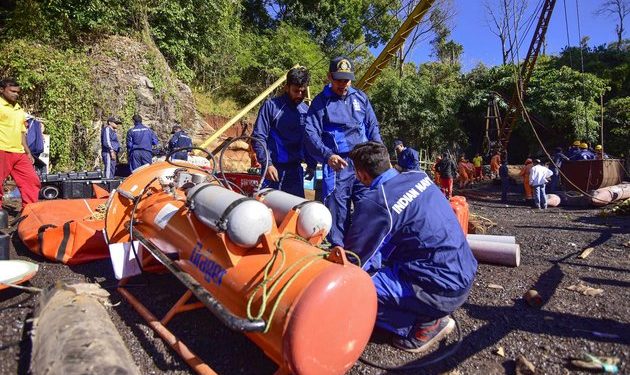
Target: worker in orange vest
x=495 y=163
x=525 y=174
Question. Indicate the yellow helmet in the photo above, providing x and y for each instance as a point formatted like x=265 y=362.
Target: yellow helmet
x=584 y=146
x=576 y=143
x=598 y=148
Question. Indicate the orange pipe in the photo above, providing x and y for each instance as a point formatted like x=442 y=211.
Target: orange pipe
x=187 y=355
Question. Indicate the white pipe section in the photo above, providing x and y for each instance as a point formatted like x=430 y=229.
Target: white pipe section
x=505 y=254
x=491 y=238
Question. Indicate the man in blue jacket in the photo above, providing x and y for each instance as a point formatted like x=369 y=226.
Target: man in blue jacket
x=339 y=118
x=415 y=250
x=408 y=159
x=140 y=142
x=280 y=129
x=179 y=140
x=110 y=146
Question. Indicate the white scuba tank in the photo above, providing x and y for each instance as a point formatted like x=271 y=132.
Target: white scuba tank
x=313 y=216
x=244 y=219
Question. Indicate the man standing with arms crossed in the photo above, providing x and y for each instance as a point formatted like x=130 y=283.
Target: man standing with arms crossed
x=339 y=118
x=15 y=157
x=280 y=128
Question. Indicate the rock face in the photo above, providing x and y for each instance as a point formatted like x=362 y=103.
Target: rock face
x=133 y=77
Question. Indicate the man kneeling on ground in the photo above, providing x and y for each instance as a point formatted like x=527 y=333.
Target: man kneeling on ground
x=410 y=241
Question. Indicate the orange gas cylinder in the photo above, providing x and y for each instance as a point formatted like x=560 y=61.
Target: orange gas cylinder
x=318 y=309
x=460 y=207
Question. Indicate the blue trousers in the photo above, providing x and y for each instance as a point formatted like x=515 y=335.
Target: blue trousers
x=555 y=181
x=540 y=197
x=290 y=179
x=401 y=304
x=138 y=158
x=342 y=188
x=109 y=165
x=505 y=186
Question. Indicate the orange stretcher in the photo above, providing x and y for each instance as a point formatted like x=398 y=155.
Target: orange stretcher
x=65 y=230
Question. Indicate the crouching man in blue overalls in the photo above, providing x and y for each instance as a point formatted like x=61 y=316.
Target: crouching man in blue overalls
x=339 y=118
x=410 y=241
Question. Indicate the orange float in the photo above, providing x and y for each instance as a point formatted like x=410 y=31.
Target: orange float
x=309 y=310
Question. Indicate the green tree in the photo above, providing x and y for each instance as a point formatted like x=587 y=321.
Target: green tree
x=420 y=108
x=617 y=126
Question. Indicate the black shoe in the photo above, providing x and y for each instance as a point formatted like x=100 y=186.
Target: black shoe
x=422 y=337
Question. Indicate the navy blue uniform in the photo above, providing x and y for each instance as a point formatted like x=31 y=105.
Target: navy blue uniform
x=408 y=159
x=335 y=125
x=179 y=140
x=280 y=129
x=415 y=250
x=109 y=143
x=140 y=142
x=583 y=155
x=35 y=137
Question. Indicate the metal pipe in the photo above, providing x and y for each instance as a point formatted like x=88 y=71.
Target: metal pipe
x=504 y=254
x=491 y=238
x=191 y=358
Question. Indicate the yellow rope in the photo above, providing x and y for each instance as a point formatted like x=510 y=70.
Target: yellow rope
x=275 y=278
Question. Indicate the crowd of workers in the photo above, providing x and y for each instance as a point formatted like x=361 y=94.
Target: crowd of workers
x=395 y=219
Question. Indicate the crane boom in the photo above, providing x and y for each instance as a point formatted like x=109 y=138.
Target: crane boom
x=515 y=106
x=394 y=44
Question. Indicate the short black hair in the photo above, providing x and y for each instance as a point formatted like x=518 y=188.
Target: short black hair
x=371 y=157
x=298 y=76
x=137 y=118
x=9 y=82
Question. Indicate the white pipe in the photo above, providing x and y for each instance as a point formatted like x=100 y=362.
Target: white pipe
x=491 y=238
x=505 y=254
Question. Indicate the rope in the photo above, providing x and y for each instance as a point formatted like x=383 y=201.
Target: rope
x=274 y=279
x=29 y=289
x=529 y=121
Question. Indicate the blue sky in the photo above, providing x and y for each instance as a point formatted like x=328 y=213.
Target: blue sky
x=471 y=30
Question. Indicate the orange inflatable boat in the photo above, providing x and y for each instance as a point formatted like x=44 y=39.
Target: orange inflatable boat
x=66 y=230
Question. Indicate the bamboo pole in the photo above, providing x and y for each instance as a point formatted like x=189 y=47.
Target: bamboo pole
x=244 y=111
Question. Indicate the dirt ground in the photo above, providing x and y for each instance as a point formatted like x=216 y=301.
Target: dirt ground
x=495 y=316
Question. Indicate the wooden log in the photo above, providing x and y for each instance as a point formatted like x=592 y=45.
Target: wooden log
x=73 y=334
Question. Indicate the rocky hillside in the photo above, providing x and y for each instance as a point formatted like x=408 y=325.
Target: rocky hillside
x=132 y=77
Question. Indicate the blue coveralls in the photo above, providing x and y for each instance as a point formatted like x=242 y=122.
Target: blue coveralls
x=558 y=158
x=140 y=142
x=410 y=241
x=179 y=140
x=335 y=125
x=109 y=142
x=280 y=128
x=583 y=155
x=505 y=181
x=408 y=159
x=35 y=137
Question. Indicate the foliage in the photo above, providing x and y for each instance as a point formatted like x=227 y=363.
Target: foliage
x=272 y=54
x=200 y=39
x=56 y=86
x=329 y=22
x=63 y=22
x=617 y=126
x=606 y=62
x=420 y=108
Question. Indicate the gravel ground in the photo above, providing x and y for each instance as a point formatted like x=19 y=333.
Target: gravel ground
x=495 y=316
